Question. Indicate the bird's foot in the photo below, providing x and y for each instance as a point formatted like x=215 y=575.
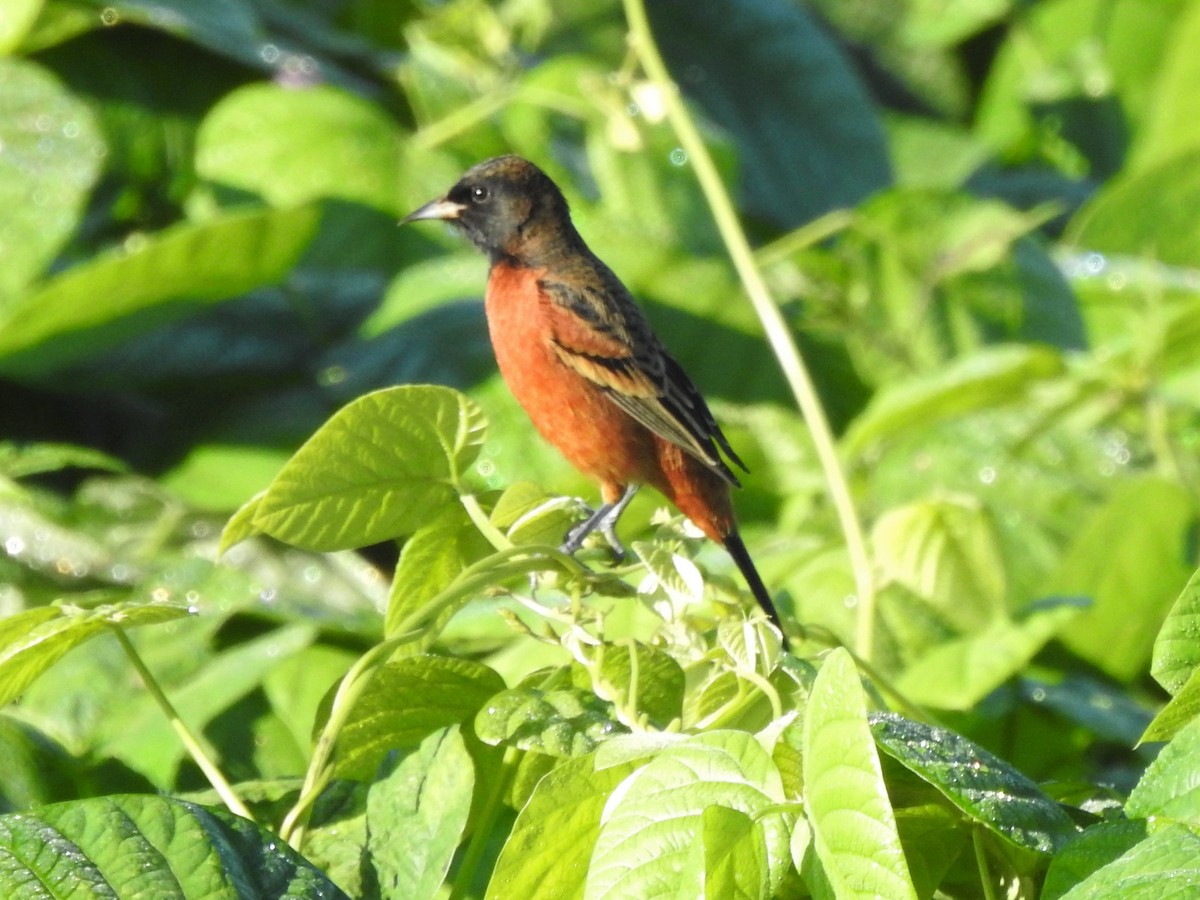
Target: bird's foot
x=603 y=520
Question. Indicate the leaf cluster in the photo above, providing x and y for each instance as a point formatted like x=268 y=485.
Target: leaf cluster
x=282 y=609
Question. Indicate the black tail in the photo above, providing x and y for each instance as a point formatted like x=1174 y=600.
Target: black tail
x=733 y=543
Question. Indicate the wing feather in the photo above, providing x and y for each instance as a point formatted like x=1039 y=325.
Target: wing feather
x=599 y=332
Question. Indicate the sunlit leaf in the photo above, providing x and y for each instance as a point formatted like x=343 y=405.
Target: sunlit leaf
x=416 y=814
x=405 y=702
x=95 y=304
x=382 y=467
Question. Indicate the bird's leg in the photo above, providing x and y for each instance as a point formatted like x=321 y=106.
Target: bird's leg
x=604 y=519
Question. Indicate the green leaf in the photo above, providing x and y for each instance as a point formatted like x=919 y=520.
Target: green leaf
x=32 y=641
x=21 y=461
x=945 y=551
x=529 y=515
x=647 y=677
x=1169 y=787
x=430 y=561
x=50 y=155
x=1129 y=559
x=854 y=827
x=546 y=855
x=382 y=467
x=658 y=814
x=405 y=702
x=219 y=477
x=103 y=301
x=989 y=378
x=565 y=722
x=729 y=860
x=16 y=23
x=1173 y=108
x=292 y=146
x=1177 y=650
x=148 y=846
x=810 y=144
x=958 y=674
x=1146 y=213
x=37 y=769
x=416 y=814
x=1165 y=866
x=240 y=526
x=1183 y=708
x=945 y=23
x=1095 y=848
x=423 y=286
x=984 y=787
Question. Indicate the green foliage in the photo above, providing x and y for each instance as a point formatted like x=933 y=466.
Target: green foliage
x=280 y=607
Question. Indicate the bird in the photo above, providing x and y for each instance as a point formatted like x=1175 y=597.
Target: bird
x=580 y=356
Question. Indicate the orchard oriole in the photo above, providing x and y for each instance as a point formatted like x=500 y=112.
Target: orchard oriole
x=580 y=357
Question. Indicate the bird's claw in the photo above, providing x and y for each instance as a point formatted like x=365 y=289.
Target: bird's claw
x=603 y=520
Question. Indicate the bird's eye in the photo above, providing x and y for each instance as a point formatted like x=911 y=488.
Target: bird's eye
x=479 y=194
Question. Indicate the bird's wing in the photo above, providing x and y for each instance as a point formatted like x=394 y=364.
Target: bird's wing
x=599 y=332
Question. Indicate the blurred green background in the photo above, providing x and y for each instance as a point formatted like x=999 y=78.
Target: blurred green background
x=979 y=217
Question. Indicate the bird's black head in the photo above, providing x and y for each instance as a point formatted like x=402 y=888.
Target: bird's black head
x=507 y=206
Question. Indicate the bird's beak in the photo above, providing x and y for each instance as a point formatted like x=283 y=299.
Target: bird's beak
x=436 y=209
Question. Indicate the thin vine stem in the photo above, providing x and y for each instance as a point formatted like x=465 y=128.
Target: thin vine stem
x=190 y=741
x=778 y=334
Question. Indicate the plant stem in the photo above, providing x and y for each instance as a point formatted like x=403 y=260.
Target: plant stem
x=190 y=741
x=778 y=334
x=985 y=872
x=480 y=520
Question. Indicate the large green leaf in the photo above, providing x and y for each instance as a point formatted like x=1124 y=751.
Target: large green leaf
x=546 y=855
x=50 y=154
x=1129 y=559
x=988 y=378
x=291 y=146
x=854 y=826
x=1169 y=787
x=945 y=551
x=959 y=673
x=658 y=815
x=986 y=788
x=1173 y=115
x=1146 y=213
x=1095 y=848
x=96 y=304
x=381 y=468
x=405 y=702
x=809 y=144
x=148 y=846
x=1079 y=79
x=416 y=814
x=1165 y=866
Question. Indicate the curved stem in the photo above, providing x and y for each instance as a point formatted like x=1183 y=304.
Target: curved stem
x=778 y=334
x=190 y=741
